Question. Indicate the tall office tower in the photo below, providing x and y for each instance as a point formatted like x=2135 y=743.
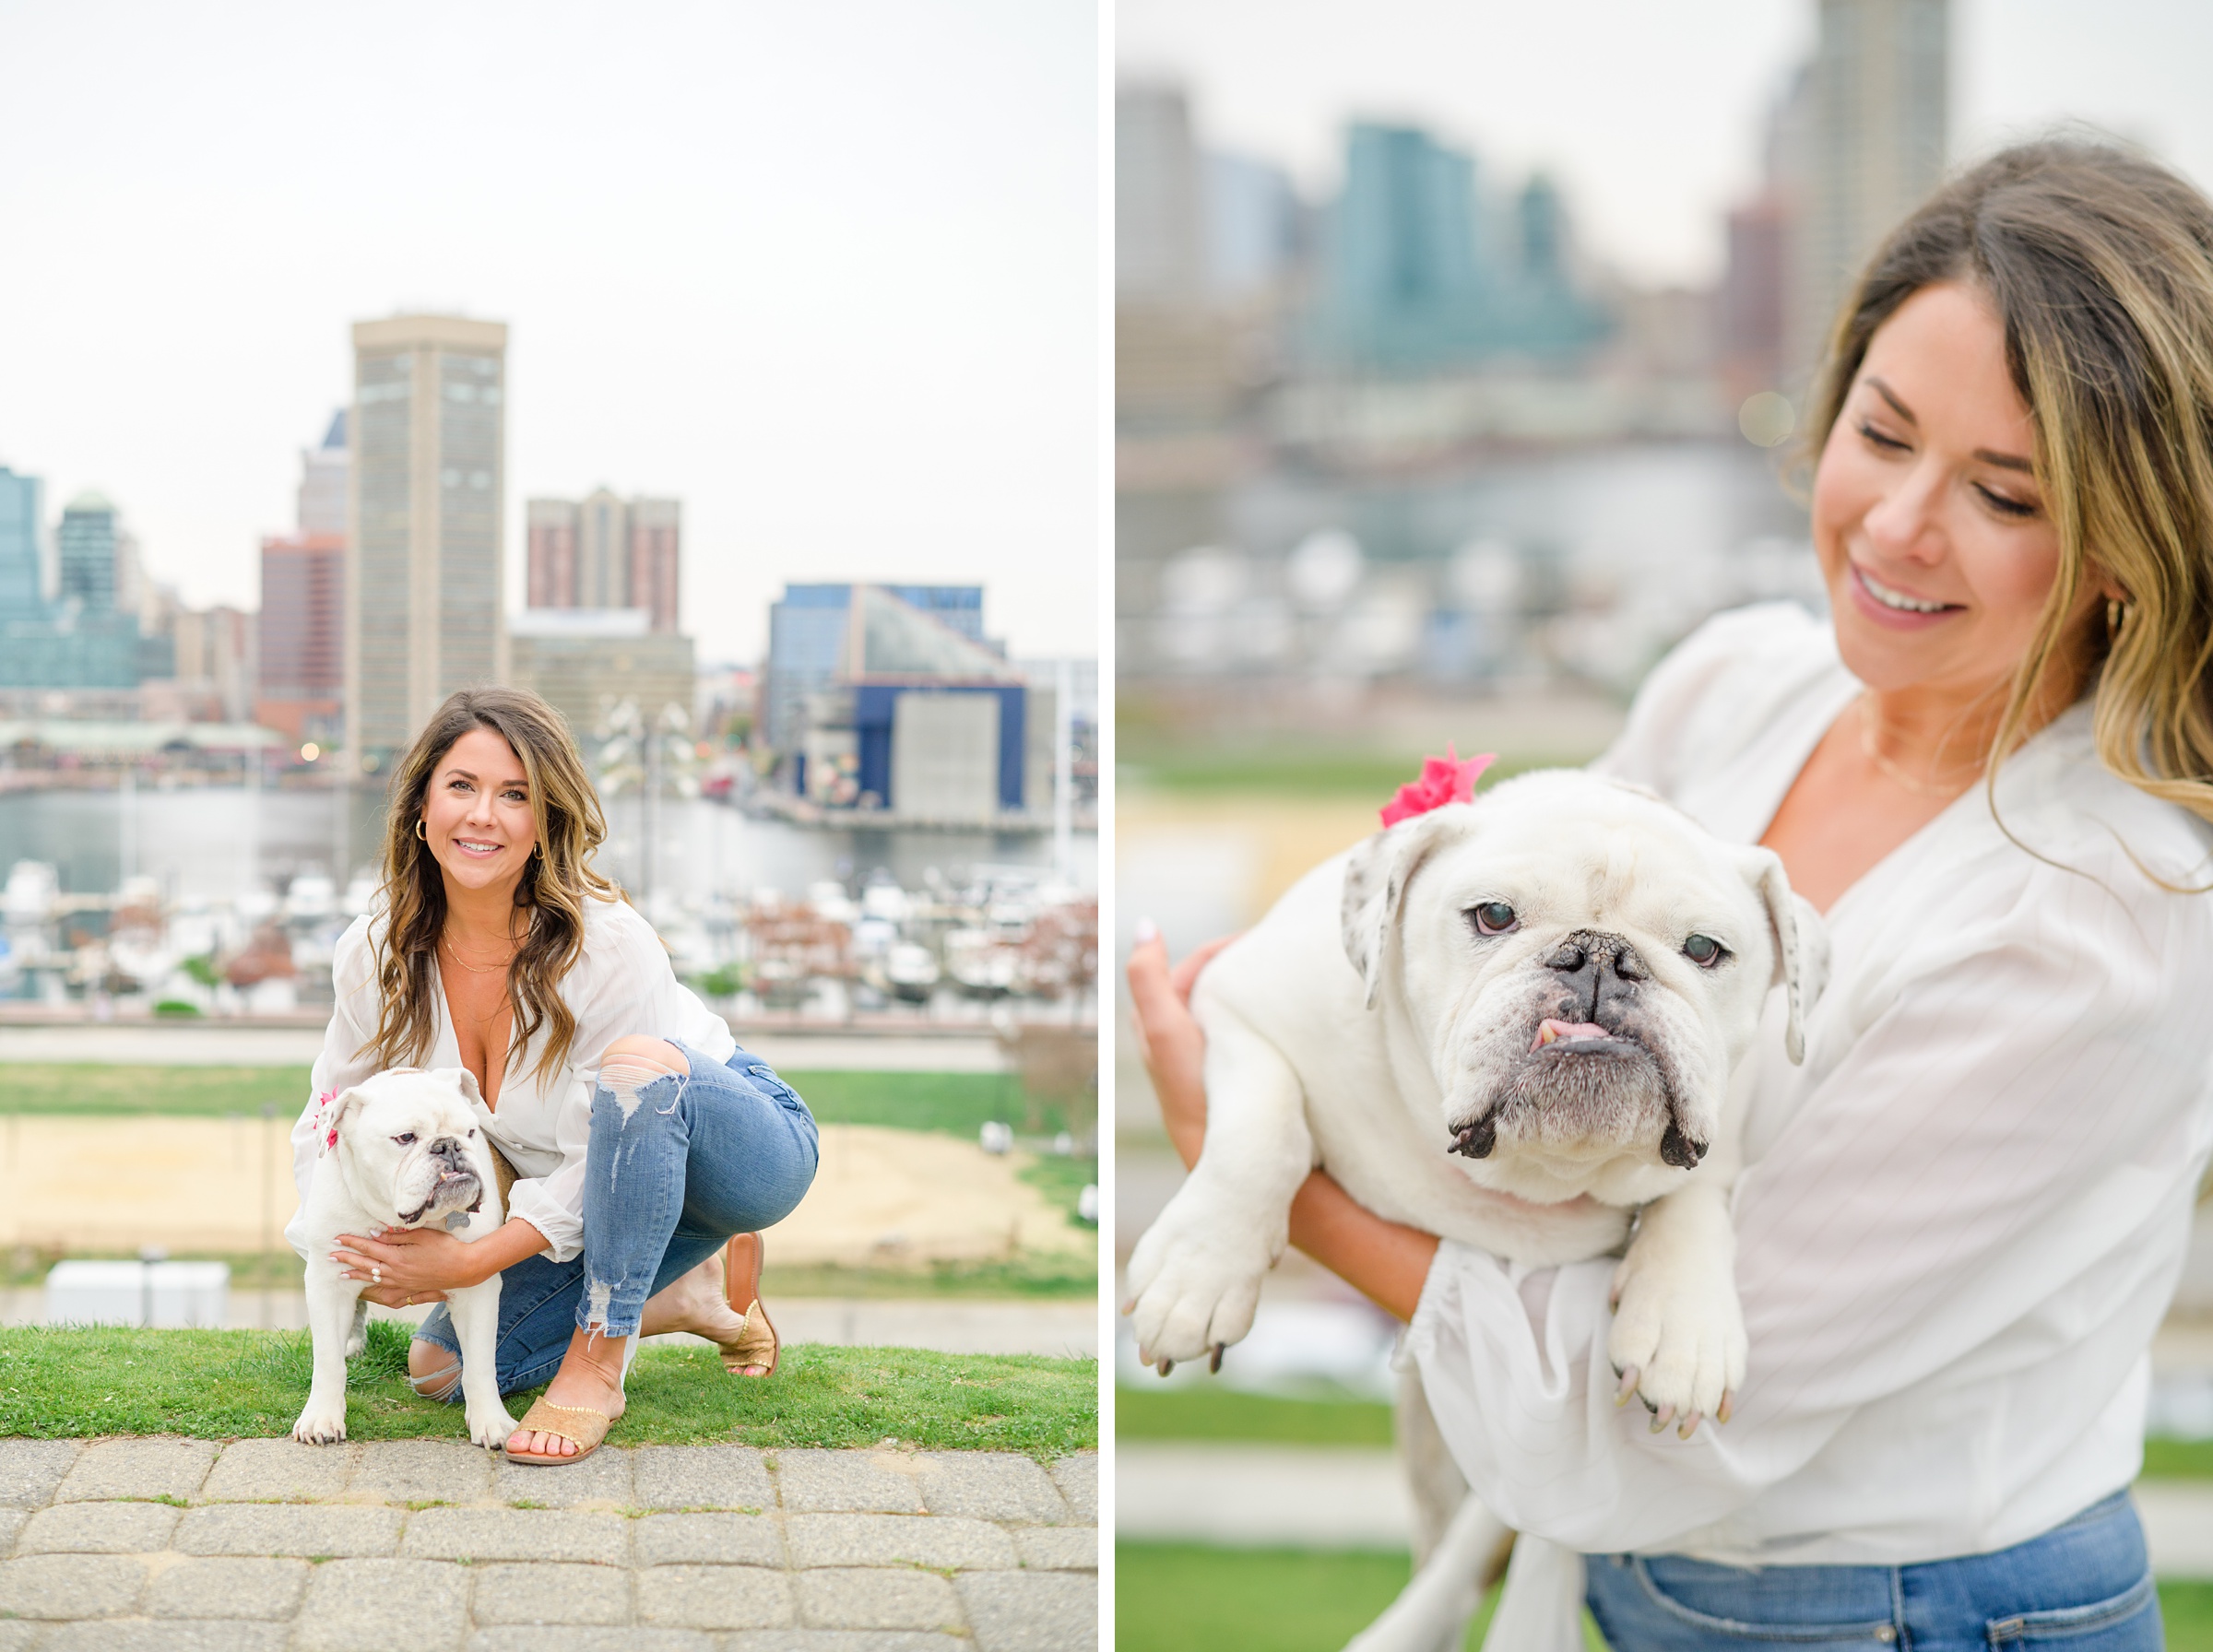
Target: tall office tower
x=1159 y=211
x=1877 y=148
x=551 y=525
x=657 y=528
x=22 y=594
x=603 y=552
x=423 y=605
x=87 y=543
x=323 y=473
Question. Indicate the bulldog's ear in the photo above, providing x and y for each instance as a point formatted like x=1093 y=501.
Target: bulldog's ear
x=1375 y=882
x=1801 y=943
x=467 y=1082
x=331 y=1114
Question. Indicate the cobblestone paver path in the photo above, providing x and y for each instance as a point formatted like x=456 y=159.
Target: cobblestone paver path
x=176 y=1545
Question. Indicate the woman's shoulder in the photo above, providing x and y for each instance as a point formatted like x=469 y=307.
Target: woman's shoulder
x=1720 y=688
x=354 y=956
x=2057 y=797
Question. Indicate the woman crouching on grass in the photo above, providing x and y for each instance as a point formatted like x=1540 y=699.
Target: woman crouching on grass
x=495 y=947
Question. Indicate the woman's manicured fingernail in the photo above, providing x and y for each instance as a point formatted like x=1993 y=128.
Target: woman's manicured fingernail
x=1144 y=932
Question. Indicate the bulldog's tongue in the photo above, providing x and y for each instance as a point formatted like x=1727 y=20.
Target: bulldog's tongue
x=1552 y=1031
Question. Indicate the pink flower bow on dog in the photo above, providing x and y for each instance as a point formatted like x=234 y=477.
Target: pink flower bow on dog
x=323 y=1101
x=1444 y=780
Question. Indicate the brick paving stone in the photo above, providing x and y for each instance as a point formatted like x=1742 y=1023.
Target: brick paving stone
x=990 y=1485
x=562 y=1639
x=308 y=1530
x=99 y=1528
x=279 y=1470
x=877 y=1597
x=602 y=1477
x=1031 y=1611
x=29 y=1470
x=378 y=1605
x=714 y=1597
x=821 y=1482
x=934 y=1540
x=422 y=1471
x=843 y=1640
x=11 y=1522
x=70 y=1586
x=169 y=1635
x=700 y=1476
x=1058 y=1548
x=1078 y=1477
x=228 y=1588
x=139 y=1468
x=721 y=1539
x=15 y=1635
x=546 y=1593
x=481 y=1534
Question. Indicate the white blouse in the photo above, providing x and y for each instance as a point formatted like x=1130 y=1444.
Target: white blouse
x=620 y=985
x=1962 y=1217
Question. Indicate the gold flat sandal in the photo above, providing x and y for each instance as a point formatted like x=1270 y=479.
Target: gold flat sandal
x=587 y=1430
x=757 y=1344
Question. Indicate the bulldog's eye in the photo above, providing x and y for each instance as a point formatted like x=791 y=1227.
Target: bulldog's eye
x=1494 y=918
x=406 y=1140
x=472 y=1135
x=1704 y=951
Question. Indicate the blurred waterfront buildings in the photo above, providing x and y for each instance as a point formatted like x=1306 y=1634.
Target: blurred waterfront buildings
x=424 y=609
x=586 y=661
x=607 y=552
x=303 y=619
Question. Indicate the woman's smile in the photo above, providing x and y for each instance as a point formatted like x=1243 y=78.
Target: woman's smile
x=1888 y=604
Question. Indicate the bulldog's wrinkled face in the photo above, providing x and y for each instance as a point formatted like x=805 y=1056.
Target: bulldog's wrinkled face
x=1584 y=965
x=410 y=1145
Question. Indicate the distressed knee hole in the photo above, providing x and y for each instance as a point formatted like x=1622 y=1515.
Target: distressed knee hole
x=427 y=1376
x=629 y=1064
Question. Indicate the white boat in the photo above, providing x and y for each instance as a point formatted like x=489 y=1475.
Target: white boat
x=910 y=972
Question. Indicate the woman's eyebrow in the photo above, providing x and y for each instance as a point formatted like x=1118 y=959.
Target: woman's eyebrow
x=1891 y=396
x=2006 y=460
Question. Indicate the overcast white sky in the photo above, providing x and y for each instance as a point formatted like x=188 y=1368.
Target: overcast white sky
x=1650 y=115
x=827 y=273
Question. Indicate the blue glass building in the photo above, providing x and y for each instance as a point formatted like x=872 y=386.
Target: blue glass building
x=80 y=640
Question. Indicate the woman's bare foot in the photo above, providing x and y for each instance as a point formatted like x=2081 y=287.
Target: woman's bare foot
x=590 y=1378
x=697 y=1303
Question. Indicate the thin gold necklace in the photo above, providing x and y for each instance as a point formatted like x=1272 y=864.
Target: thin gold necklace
x=489 y=969
x=1924 y=789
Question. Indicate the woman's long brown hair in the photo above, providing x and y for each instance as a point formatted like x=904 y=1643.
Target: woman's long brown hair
x=2098 y=263
x=556 y=881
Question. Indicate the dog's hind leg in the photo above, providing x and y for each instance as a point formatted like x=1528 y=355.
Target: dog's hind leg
x=1432 y=1477
x=358 y=1337
x=1431 y=1613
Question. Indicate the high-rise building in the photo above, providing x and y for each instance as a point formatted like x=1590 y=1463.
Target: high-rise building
x=1159 y=229
x=87 y=546
x=303 y=640
x=22 y=592
x=324 y=473
x=604 y=551
x=582 y=661
x=424 y=613
x=1878 y=105
x=215 y=656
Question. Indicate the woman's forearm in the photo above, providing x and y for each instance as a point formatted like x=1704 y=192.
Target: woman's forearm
x=1384 y=1261
x=501 y=1249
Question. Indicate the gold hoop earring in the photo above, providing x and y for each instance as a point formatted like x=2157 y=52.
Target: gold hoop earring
x=420 y=832
x=2116 y=616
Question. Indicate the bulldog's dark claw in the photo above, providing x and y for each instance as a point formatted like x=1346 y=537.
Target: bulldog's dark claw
x=1214 y=1363
x=1166 y=1366
x=1629 y=1385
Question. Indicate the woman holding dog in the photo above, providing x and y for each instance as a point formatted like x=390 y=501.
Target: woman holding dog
x=647 y=1149
x=1993 y=770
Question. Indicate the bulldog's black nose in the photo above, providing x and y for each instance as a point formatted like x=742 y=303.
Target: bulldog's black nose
x=449 y=1148
x=1600 y=971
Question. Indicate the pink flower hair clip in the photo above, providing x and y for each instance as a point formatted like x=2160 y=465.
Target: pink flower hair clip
x=1444 y=780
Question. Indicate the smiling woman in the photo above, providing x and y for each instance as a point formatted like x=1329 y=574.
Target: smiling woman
x=496 y=947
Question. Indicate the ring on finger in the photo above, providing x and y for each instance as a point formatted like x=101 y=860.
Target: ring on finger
x=376 y=1276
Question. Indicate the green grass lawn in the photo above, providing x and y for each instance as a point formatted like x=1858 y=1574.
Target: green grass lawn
x=1210 y=1411
x=1188 y=1597
x=226 y=1385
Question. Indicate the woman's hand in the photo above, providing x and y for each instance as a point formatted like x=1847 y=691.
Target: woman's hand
x=1168 y=1036
x=422 y=1263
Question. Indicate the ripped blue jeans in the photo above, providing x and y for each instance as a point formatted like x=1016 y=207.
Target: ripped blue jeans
x=675 y=1167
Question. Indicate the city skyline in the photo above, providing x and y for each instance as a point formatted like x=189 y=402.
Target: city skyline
x=1654 y=137
x=854 y=326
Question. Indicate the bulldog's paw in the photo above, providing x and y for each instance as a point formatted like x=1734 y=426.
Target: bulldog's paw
x=491 y=1428
x=1193 y=1290
x=1678 y=1341
x=321 y=1426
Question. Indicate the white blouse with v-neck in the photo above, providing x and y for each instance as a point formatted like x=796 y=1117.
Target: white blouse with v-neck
x=620 y=985
x=1961 y=1218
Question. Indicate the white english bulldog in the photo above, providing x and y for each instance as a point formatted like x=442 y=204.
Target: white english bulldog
x=401 y=1150
x=1511 y=1023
